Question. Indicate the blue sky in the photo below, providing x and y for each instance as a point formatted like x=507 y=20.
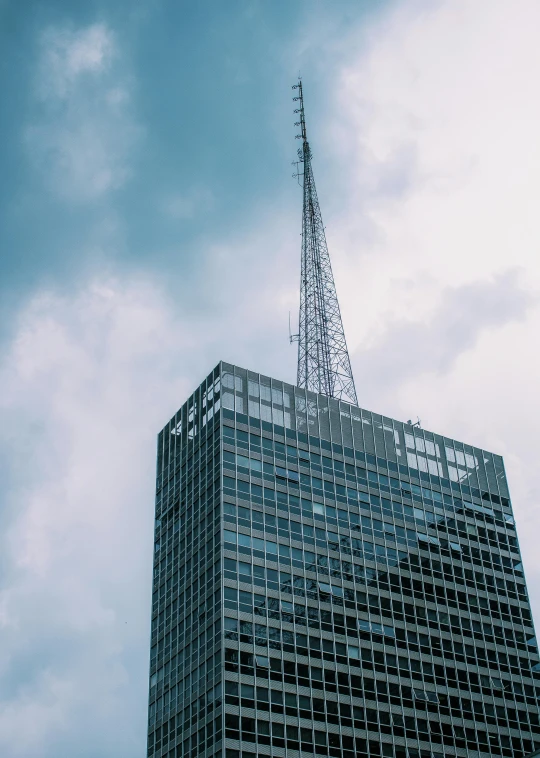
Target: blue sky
x=207 y=119
x=149 y=227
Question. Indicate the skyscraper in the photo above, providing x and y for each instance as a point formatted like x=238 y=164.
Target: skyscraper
x=329 y=581
x=332 y=581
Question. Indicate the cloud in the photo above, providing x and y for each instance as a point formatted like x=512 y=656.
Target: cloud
x=85 y=385
x=434 y=133
x=435 y=138
x=84 y=132
x=435 y=342
x=86 y=382
x=68 y=54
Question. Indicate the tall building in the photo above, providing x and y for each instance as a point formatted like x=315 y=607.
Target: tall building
x=332 y=581
x=329 y=581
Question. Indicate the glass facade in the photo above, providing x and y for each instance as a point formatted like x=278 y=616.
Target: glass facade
x=329 y=581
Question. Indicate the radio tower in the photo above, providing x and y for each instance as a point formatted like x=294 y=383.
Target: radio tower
x=323 y=359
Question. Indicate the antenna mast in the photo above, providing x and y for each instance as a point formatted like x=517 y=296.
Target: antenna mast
x=323 y=359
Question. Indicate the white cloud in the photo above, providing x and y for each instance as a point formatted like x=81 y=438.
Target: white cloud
x=437 y=123
x=437 y=119
x=84 y=132
x=434 y=344
x=87 y=382
x=68 y=54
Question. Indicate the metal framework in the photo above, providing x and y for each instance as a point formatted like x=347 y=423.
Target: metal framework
x=323 y=359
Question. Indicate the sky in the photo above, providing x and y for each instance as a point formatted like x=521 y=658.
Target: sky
x=150 y=227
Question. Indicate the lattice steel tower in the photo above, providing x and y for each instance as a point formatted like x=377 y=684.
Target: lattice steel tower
x=323 y=359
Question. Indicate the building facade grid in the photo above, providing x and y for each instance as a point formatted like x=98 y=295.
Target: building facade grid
x=329 y=581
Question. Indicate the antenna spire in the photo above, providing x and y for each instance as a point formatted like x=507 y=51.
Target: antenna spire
x=323 y=359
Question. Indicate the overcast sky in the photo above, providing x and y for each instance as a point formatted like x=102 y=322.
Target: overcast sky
x=150 y=226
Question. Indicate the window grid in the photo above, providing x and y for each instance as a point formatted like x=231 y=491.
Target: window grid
x=321 y=574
